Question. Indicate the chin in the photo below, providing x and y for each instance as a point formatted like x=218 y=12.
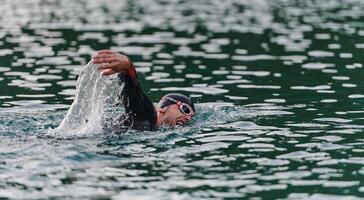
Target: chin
x=172 y=124
x=169 y=124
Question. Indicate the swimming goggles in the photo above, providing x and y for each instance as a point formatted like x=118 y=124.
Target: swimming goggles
x=183 y=107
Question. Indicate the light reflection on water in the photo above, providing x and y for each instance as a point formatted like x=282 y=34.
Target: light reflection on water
x=278 y=86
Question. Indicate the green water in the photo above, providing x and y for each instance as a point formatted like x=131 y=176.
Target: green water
x=278 y=87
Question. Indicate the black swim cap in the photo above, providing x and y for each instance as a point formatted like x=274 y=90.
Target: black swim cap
x=178 y=97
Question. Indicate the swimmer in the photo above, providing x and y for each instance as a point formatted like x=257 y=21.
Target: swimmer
x=140 y=114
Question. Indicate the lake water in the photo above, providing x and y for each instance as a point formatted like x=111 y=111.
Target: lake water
x=278 y=87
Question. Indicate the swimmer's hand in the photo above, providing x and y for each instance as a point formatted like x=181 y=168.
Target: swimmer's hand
x=111 y=62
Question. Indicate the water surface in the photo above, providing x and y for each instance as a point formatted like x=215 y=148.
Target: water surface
x=278 y=86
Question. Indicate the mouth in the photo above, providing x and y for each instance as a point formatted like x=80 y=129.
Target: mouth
x=180 y=123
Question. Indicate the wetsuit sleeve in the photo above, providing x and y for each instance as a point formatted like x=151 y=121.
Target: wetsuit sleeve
x=139 y=109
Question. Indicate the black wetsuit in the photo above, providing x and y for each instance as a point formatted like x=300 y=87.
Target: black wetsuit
x=140 y=113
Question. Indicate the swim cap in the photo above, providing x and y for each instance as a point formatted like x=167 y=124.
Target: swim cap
x=178 y=97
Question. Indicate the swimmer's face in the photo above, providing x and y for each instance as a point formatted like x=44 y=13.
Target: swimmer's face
x=172 y=116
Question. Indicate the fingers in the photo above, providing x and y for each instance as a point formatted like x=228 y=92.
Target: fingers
x=104 y=54
x=98 y=56
x=113 y=66
x=110 y=62
x=108 y=72
x=105 y=60
x=108 y=56
x=105 y=51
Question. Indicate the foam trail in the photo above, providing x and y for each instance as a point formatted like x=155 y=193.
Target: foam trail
x=94 y=95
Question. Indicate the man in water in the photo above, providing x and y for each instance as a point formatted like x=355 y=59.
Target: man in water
x=140 y=114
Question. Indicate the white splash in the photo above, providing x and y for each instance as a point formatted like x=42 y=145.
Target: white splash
x=95 y=94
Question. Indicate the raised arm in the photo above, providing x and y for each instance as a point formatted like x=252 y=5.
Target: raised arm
x=138 y=107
